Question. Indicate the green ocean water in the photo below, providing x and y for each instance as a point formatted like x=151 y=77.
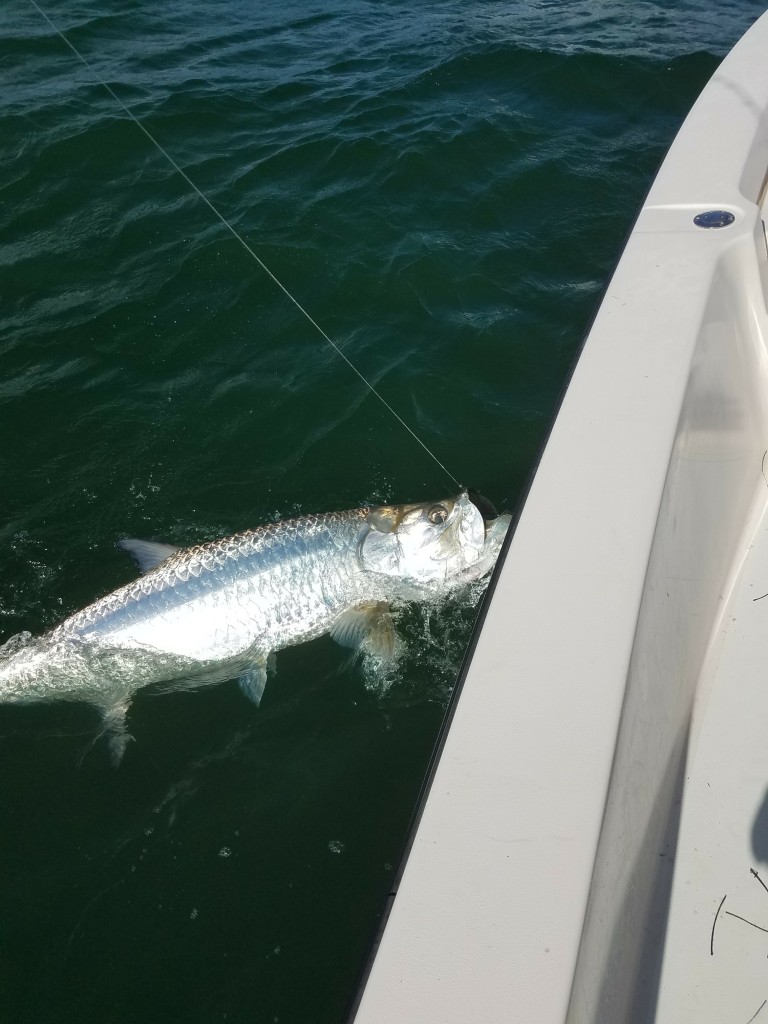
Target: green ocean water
x=445 y=187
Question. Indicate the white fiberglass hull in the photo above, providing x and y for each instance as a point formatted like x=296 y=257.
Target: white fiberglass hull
x=604 y=781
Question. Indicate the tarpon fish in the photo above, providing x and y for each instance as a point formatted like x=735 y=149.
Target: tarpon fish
x=223 y=609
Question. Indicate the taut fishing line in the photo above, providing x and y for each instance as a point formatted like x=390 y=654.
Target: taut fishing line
x=239 y=238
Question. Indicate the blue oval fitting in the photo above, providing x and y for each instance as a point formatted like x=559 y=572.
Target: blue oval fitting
x=714 y=219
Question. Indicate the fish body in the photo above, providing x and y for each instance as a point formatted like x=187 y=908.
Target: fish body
x=223 y=609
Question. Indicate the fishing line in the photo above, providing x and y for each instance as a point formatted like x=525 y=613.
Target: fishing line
x=240 y=239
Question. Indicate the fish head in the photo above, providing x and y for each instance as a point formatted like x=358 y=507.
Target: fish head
x=431 y=543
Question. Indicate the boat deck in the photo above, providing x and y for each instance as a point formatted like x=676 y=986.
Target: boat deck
x=715 y=963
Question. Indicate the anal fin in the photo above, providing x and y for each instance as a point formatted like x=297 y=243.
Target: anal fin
x=116 y=729
x=253 y=679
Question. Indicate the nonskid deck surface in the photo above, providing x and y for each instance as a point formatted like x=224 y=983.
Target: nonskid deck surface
x=716 y=955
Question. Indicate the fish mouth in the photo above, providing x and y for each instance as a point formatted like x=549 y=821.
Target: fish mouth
x=484 y=506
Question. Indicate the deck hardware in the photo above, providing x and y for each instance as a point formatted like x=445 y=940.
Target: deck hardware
x=714 y=219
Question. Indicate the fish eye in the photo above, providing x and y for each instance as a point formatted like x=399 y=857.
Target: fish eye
x=437 y=514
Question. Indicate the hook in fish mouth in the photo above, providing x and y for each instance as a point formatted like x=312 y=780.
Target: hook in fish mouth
x=485 y=507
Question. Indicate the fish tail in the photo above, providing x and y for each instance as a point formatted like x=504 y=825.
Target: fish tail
x=16 y=657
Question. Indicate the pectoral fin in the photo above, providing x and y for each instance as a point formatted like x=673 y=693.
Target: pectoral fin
x=367 y=627
x=253 y=679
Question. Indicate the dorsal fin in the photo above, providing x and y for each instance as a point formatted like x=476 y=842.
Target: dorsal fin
x=147 y=553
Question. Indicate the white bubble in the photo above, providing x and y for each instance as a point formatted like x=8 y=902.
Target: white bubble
x=336 y=846
x=225 y=852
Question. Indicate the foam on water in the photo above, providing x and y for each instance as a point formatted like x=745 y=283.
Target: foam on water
x=432 y=637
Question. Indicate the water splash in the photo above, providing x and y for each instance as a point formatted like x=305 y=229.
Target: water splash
x=432 y=638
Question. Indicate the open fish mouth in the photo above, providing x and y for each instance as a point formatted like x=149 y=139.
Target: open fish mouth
x=484 y=506
x=468 y=542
